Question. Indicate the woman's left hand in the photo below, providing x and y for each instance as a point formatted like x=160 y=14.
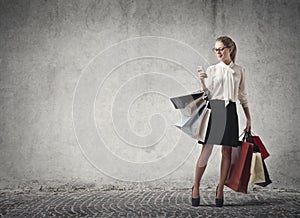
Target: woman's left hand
x=248 y=126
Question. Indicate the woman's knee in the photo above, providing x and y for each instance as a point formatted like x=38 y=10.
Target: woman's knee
x=205 y=154
x=226 y=151
x=207 y=149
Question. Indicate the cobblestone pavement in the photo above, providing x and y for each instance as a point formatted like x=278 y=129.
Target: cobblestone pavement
x=116 y=203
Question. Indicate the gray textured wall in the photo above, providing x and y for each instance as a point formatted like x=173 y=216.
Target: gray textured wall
x=85 y=88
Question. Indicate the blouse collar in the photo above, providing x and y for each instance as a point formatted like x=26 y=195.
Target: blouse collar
x=227 y=67
x=231 y=64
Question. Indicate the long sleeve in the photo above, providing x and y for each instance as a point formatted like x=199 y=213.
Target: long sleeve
x=209 y=82
x=242 y=94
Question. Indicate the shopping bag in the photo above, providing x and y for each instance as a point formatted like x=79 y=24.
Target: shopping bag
x=257 y=170
x=195 y=114
x=267 y=176
x=204 y=126
x=258 y=147
x=258 y=144
x=180 y=102
x=239 y=171
x=191 y=125
x=193 y=106
x=257 y=141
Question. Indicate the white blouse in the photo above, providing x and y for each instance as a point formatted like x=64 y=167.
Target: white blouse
x=226 y=82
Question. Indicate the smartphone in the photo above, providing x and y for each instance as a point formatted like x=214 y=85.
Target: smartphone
x=199 y=68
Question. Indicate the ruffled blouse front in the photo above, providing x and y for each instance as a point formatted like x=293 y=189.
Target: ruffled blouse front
x=226 y=82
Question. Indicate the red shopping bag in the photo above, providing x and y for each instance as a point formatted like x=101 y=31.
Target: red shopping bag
x=239 y=172
x=262 y=149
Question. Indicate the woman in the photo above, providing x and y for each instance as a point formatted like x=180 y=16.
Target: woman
x=224 y=84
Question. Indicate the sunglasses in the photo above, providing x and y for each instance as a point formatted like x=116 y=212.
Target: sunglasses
x=219 y=49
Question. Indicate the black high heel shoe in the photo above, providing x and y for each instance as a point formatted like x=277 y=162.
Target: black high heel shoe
x=195 y=201
x=219 y=202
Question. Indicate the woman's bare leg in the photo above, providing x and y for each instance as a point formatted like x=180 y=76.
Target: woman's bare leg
x=200 y=168
x=225 y=164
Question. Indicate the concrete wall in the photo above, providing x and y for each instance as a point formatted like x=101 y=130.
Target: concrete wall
x=85 y=88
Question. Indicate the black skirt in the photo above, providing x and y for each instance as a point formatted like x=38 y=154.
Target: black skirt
x=223 y=126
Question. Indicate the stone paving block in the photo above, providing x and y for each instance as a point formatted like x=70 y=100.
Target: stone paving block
x=132 y=203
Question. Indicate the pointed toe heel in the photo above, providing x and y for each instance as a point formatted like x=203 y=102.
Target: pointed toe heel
x=219 y=202
x=195 y=201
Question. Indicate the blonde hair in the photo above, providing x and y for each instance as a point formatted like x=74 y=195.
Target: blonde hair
x=228 y=42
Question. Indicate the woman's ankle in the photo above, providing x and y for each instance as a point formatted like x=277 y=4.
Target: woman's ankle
x=196 y=193
x=196 y=187
x=220 y=191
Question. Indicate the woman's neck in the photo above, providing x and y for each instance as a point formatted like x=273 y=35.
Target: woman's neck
x=227 y=62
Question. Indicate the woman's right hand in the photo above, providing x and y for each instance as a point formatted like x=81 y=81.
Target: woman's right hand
x=202 y=75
